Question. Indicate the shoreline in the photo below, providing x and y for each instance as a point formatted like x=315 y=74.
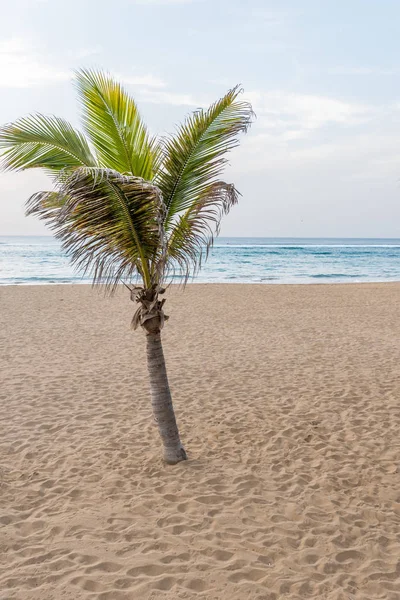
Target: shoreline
x=195 y=283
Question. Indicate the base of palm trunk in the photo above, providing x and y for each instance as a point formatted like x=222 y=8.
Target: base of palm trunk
x=172 y=457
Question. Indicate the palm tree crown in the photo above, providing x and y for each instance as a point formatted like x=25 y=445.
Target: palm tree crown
x=125 y=203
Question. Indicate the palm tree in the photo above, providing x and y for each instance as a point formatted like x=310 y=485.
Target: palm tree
x=129 y=207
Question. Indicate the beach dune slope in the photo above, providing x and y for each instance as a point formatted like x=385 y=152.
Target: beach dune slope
x=288 y=402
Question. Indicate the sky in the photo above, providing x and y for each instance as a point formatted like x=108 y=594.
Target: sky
x=322 y=158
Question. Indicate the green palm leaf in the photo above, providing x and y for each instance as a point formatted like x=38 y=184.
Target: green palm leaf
x=38 y=141
x=193 y=233
x=45 y=205
x=107 y=222
x=112 y=121
x=195 y=157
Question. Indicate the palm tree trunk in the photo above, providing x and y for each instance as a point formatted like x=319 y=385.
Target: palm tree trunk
x=161 y=401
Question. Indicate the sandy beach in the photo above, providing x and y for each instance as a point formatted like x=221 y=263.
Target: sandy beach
x=287 y=398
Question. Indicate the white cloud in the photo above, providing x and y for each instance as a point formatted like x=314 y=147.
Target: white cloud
x=86 y=51
x=351 y=153
x=172 y=98
x=343 y=70
x=21 y=67
x=296 y=115
x=223 y=81
x=296 y=132
x=143 y=80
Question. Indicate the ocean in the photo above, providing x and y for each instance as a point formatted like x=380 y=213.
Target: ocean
x=39 y=260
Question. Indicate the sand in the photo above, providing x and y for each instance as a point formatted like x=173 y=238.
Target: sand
x=287 y=399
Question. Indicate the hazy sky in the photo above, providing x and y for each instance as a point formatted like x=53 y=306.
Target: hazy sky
x=323 y=156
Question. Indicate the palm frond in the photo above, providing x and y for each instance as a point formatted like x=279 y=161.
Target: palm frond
x=113 y=123
x=193 y=233
x=137 y=206
x=107 y=223
x=195 y=157
x=47 y=142
x=45 y=205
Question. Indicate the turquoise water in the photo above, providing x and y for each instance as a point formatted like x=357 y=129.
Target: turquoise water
x=38 y=260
